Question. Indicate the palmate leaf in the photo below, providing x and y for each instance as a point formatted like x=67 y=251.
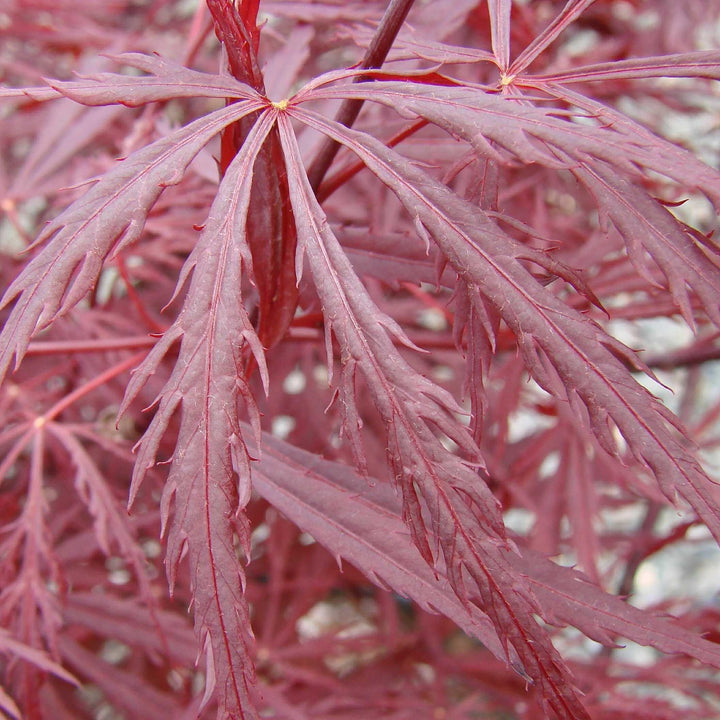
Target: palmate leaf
x=592 y=153
x=454 y=519
x=209 y=481
x=568 y=355
x=443 y=498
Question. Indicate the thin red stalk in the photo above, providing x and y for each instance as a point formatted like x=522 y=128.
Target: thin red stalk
x=152 y=325
x=197 y=34
x=375 y=56
x=342 y=176
x=638 y=554
x=88 y=387
x=686 y=357
x=428 y=300
x=66 y=347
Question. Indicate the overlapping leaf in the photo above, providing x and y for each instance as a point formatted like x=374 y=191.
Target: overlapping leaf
x=328 y=501
x=111 y=523
x=493 y=124
x=443 y=498
x=359 y=521
x=534 y=135
x=568 y=355
x=453 y=518
x=654 y=237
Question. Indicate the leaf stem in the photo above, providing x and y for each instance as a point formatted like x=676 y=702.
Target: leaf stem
x=66 y=347
x=335 y=181
x=375 y=55
x=96 y=382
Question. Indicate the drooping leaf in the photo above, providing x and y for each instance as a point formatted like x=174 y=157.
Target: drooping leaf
x=438 y=489
x=572 y=599
x=323 y=497
x=569 y=355
x=209 y=481
x=505 y=129
x=315 y=494
x=493 y=252
x=655 y=237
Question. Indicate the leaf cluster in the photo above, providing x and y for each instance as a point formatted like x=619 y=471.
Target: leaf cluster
x=363 y=311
